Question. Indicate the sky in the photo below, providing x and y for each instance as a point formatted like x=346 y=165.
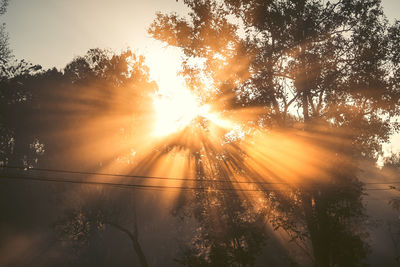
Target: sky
x=52 y=32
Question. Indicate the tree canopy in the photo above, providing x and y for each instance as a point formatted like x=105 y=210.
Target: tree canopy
x=327 y=68
x=333 y=61
x=5 y=52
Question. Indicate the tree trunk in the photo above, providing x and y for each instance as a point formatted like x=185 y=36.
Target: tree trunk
x=314 y=214
x=135 y=244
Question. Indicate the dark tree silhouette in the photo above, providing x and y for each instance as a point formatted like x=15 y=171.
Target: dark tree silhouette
x=391 y=167
x=5 y=52
x=52 y=110
x=70 y=119
x=99 y=211
x=331 y=66
x=229 y=229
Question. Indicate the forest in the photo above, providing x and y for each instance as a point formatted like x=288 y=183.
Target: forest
x=271 y=155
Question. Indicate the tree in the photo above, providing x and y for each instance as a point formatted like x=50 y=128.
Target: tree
x=5 y=52
x=100 y=211
x=3 y=6
x=391 y=165
x=392 y=162
x=70 y=119
x=4 y=56
x=320 y=58
x=229 y=230
x=331 y=66
x=39 y=106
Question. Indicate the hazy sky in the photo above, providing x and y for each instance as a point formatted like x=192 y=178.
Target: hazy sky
x=52 y=32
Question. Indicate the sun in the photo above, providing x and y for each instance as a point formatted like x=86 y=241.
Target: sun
x=175 y=109
x=174 y=104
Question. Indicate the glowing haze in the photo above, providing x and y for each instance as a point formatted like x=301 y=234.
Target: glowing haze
x=37 y=26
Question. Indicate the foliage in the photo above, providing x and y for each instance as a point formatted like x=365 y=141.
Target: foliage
x=101 y=210
x=331 y=65
x=89 y=90
x=5 y=53
x=320 y=58
x=392 y=162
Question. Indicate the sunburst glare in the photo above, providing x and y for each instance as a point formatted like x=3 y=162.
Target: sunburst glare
x=178 y=107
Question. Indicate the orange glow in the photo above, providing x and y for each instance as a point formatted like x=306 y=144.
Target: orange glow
x=177 y=107
x=175 y=111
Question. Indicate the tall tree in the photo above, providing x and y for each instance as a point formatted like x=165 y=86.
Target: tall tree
x=57 y=111
x=99 y=211
x=5 y=52
x=77 y=118
x=333 y=61
x=330 y=65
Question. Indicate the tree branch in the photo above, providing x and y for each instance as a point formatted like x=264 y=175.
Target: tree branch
x=135 y=242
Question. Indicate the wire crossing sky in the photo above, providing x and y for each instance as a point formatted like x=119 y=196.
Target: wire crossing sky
x=70 y=180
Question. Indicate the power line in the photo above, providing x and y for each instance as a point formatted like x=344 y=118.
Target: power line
x=147 y=177
x=384 y=183
x=138 y=186
x=138 y=176
x=151 y=187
